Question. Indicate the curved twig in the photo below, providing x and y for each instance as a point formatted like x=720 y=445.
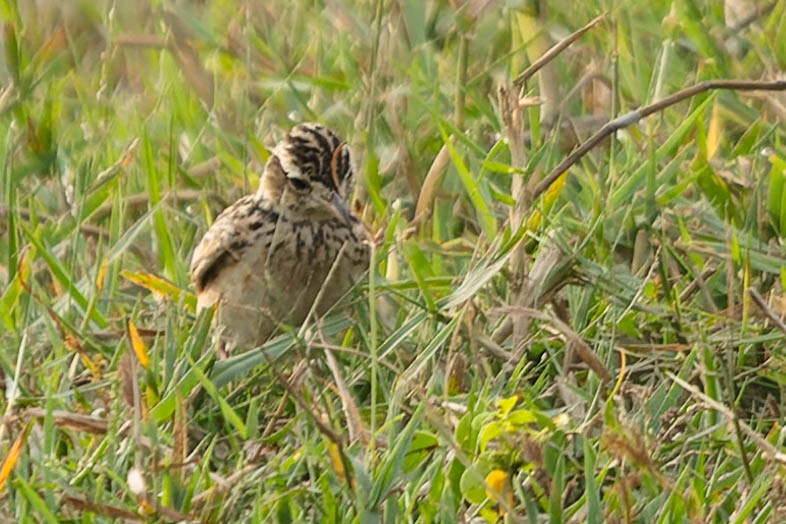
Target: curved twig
x=632 y=117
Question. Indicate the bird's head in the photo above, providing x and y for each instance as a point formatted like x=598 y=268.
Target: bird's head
x=309 y=174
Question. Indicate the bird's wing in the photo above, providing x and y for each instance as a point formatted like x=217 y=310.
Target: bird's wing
x=221 y=246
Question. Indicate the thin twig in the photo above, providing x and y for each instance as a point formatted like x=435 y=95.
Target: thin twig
x=301 y=402
x=552 y=53
x=495 y=349
x=140 y=40
x=76 y=421
x=699 y=282
x=274 y=418
x=632 y=117
x=84 y=505
x=222 y=486
x=140 y=201
x=88 y=230
x=766 y=309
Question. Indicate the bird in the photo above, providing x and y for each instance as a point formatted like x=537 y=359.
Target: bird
x=267 y=258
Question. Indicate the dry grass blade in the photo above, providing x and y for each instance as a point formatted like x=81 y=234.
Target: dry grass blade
x=776 y=320
x=519 y=261
x=530 y=30
x=105 y=510
x=221 y=485
x=700 y=283
x=530 y=286
x=582 y=349
x=318 y=421
x=514 y=130
x=429 y=188
x=75 y=421
x=172 y=515
x=125 y=160
x=495 y=349
x=180 y=436
x=777 y=103
x=137 y=408
x=767 y=449
x=125 y=370
x=203 y=169
x=351 y=411
x=140 y=40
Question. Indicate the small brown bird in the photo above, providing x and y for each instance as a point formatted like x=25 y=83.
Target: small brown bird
x=270 y=255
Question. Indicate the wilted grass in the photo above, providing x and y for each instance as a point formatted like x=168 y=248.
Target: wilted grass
x=125 y=130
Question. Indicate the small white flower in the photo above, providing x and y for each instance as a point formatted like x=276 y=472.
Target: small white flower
x=136 y=482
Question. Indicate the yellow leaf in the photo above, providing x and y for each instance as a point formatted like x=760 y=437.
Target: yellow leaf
x=23 y=267
x=335 y=459
x=160 y=286
x=535 y=220
x=554 y=190
x=94 y=365
x=101 y=275
x=139 y=345
x=505 y=405
x=13 y=455
x=714 y=133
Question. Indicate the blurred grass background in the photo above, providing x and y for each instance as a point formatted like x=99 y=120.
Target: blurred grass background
x=126 y=127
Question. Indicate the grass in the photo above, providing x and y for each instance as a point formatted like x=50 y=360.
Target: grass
x=454 y=390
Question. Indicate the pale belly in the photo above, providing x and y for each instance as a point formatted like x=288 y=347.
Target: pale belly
x=267 y=289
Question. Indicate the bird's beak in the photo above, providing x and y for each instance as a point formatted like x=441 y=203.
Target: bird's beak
x=340 y=209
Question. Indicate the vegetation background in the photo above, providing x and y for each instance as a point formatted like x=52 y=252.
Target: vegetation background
x=611 y=351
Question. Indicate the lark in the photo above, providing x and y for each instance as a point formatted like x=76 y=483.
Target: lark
x=291 y=248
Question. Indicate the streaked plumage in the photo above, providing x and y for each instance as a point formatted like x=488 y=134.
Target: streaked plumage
x=267 y=256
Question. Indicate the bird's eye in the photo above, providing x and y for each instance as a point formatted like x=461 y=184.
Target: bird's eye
x=299 y=183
